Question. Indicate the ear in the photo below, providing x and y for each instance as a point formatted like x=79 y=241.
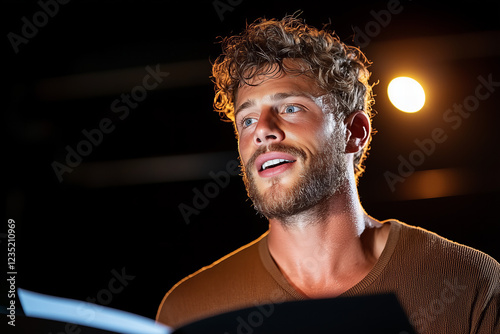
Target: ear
x=358 y=131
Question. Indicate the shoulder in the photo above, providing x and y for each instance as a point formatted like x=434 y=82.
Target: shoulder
x=213 y=288
x=458 y=284
x=446 y=255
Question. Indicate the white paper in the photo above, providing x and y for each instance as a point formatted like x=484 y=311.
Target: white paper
x=38 y=305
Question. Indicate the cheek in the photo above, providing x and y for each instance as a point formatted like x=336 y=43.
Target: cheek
x=309 y=134
x=328 y=129
x=244 y=149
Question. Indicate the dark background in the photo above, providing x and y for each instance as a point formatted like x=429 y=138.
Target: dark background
x=109 y=215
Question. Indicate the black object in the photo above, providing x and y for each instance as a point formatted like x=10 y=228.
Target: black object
x=362 y=314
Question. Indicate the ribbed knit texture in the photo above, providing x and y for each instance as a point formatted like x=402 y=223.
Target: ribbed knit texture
x=444 y=287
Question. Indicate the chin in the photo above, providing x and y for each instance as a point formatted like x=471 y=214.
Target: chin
x=275 y=186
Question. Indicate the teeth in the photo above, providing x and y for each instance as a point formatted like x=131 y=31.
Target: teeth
x=273 y=162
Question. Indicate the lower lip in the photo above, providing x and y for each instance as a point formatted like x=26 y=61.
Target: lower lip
x=276 y=170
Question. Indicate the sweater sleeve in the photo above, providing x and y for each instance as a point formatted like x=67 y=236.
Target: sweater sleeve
x=486 y=313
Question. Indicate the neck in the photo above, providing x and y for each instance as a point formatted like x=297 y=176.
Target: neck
x=326 y=250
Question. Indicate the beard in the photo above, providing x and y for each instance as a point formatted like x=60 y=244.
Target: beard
x=322 y=177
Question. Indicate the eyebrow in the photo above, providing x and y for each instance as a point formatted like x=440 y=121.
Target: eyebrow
x=275 y=97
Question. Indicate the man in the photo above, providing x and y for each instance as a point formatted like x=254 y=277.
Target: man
x=300 y=103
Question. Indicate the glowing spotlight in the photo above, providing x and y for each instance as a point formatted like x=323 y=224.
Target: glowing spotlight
x=406 y=94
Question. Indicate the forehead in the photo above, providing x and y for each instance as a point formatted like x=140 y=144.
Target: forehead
x=261 y=87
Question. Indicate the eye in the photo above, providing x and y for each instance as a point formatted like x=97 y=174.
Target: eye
x=291 y=109
x=246 y=122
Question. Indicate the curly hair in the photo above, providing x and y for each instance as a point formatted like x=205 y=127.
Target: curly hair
x=338 y=69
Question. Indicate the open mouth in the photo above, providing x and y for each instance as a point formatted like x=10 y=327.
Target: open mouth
x=274 y=163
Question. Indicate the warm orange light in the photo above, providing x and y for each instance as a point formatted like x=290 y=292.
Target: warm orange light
x=406 y=94
x=433 y=183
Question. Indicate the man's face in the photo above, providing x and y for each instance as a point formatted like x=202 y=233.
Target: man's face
x=291 y=147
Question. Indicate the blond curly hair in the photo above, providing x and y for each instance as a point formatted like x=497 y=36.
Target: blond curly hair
x=337 y=68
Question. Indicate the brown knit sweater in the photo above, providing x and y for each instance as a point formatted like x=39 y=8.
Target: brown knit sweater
x=444 y=287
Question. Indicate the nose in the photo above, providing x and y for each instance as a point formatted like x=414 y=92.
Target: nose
x=268 y=130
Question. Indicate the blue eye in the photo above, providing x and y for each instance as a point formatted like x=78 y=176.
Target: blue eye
x=248 y=121
x=291 y=109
